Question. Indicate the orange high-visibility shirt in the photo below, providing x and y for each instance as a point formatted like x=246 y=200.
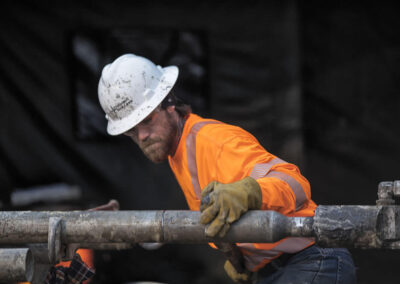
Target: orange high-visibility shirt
x=211 y=150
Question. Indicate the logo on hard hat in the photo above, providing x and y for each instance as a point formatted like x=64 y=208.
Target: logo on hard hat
x=120 y=110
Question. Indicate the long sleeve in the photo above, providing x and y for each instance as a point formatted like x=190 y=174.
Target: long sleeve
x=285 y=190
x=283 y=187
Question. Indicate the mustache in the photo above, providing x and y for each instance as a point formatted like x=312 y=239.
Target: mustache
x=148 y=142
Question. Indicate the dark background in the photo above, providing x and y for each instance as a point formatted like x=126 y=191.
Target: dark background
x=317 y=83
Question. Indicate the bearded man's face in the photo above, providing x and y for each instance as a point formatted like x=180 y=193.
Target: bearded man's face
x=156 y=135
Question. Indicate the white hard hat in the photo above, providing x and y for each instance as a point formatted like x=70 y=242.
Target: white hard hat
x=130 y=88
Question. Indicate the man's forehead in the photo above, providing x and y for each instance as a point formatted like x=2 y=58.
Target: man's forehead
x=150 y=115
x=157 y=109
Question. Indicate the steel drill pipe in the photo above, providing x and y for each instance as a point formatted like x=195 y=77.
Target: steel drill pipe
x=357 y=226
x=145 y=226
x=16 y=264
x=332 y=226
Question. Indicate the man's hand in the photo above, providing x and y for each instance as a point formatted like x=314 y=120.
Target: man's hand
x=222 y=204
x=236 y=276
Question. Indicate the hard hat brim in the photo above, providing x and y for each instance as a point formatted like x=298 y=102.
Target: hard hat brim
x=117 y=127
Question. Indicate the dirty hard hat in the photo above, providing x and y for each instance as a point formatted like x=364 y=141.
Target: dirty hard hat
x=130 y=88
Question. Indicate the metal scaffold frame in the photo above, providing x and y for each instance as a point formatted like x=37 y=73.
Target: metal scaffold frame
x=49 y=237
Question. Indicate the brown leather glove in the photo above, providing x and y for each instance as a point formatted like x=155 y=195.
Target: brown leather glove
x=222 y=204
x=236 y=276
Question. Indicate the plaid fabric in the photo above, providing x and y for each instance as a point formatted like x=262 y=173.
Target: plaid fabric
x=76 y=273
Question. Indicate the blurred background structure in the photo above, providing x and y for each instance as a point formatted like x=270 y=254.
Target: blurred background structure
x=317 y=83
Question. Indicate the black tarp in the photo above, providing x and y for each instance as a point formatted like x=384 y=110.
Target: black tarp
x=316 y=83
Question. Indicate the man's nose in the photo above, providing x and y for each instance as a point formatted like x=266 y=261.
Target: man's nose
x=143 y=133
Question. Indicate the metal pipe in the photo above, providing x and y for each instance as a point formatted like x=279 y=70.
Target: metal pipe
x=16 y=264
x=347 y=226
x=332 y=226
x=145 y=226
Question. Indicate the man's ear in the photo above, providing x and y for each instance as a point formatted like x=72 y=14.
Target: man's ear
x=170 y=109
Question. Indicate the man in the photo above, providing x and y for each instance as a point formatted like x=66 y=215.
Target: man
x=222 y=170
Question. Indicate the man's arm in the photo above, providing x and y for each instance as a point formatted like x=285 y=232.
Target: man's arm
x=246 y=171
x=284 y=189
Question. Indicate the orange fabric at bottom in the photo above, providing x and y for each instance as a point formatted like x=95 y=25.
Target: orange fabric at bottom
x=86 y=256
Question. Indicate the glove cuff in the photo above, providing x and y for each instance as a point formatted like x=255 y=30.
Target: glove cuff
x=253 y=190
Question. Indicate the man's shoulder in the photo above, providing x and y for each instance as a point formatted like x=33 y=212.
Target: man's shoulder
x=217 y=132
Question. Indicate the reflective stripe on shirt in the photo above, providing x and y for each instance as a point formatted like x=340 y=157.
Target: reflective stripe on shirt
x=191 y=154
x=264 y=170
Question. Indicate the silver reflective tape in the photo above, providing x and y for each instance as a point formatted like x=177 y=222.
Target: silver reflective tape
x=256 y=255
x=191 y=154
x=260 y=170
x=296 y=187
x=293 y=245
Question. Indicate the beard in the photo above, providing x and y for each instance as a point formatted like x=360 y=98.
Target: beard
x=158 y=148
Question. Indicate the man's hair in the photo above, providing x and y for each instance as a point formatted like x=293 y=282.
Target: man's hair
x=181 y=107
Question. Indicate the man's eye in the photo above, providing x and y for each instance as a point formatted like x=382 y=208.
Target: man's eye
x=147 y=121
x=130 y=132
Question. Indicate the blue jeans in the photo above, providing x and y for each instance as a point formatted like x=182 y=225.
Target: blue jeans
x=312 y=265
